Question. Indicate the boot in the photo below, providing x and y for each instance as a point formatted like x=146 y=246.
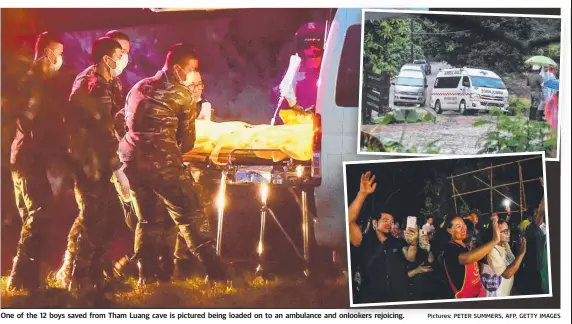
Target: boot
x=64 y=273
x=124 y=269
x=183 y=268
x=166 y=265
x=146 y=273
x=215 y=268
x=25 y=274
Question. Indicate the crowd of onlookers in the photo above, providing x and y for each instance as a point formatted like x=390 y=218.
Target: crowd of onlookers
x=470 y=256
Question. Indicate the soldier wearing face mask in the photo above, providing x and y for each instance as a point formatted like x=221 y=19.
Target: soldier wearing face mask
x=93 y=152
x=118 y=98
x=160 y=114
x=30 y=150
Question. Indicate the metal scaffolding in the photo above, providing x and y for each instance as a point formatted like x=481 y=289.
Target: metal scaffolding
x=491 y=187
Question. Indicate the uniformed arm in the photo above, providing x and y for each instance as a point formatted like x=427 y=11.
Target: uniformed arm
x=120 y=125
x=91 y=101
x=477 y=254
x=31 y=109
x=187 y=131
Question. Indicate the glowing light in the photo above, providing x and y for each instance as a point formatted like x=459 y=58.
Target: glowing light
x=264 y=193
x=506 y=203
x=260 y=248
x=299 y=171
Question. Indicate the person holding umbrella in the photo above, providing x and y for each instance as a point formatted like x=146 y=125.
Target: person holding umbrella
x=534 y=81
x=539 y=94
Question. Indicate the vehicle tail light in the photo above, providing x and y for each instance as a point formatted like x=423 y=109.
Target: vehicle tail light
x=317 y=147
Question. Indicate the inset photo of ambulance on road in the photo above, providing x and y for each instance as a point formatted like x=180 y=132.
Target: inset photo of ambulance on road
x=469 y=91
x=458 y=83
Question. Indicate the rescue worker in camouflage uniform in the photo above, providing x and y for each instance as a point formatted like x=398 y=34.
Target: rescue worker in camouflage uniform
x=29 y=153
x=93 y=150
x=160 y=114
x=64 y=272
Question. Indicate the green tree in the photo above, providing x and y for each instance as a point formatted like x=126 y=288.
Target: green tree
x=387 y=44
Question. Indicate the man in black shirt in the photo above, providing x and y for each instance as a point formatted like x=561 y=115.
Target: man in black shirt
x=383 y=258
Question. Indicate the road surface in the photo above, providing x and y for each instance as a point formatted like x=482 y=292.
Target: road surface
x=454 y=133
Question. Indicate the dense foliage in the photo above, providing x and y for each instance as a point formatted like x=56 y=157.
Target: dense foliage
x=516 y=134
x=501 y=44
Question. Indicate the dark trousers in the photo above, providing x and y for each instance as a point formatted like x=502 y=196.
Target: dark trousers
x=92 y=232
x=33 y=193
x=176 y=192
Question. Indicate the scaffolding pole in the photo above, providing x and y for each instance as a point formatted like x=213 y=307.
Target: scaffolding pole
x=492 y=188
x=521 y=189
x=491 y=177
x=497 y=186
x=454 y=190
x=494 y=166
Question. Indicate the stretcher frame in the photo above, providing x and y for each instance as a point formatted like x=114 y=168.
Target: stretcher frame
x=287 y=172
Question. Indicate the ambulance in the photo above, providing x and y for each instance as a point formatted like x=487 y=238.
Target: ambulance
x=468 y=90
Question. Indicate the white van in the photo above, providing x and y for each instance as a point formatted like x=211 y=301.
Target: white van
x=409 y=88
x=412 y=67
x=468 y=89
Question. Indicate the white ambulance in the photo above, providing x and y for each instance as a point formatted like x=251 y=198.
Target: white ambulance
x=468 y=90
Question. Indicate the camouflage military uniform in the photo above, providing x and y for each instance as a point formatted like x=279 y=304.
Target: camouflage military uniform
x=29 y=153
x=93 y=149
x=160 y=115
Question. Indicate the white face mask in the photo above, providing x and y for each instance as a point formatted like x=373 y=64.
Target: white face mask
x=124 y=60
x=118 y=68
x=59 y=61
x=189 y=77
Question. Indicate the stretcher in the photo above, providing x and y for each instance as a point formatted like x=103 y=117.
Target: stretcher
x=261 y=155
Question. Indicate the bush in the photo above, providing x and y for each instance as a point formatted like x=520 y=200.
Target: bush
x=404 y=116
x=507 y=135
x=518 y=105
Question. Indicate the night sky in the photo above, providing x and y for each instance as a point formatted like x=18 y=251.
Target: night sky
x=400 y=185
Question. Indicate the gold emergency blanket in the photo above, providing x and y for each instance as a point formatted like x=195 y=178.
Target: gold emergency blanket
x=292 y=140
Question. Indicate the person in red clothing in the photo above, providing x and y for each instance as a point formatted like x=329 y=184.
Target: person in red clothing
x=461 y=265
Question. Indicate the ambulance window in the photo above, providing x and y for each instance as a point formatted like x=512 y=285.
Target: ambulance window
x=447 y=82
x=466 y=82
x=347 y=85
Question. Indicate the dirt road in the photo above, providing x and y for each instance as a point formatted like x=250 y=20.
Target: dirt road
x=455 y=134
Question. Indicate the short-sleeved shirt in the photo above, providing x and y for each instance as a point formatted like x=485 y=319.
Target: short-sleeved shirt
x=498 y=260
x=384 y=270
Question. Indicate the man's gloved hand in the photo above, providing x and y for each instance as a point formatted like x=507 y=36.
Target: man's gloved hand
x=290 y=96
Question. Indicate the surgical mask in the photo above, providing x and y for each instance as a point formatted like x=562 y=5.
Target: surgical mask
x=124 y=60
x=59 y=61
x=188 y=79
x=115 y=72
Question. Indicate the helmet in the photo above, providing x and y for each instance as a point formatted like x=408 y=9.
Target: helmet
x=311 y=33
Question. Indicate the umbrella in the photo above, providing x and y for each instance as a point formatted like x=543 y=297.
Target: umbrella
x=541 y=60
x=552 y=84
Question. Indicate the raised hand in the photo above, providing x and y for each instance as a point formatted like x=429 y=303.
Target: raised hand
x=522 y=245
x=367 y=184
x=496 y=230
